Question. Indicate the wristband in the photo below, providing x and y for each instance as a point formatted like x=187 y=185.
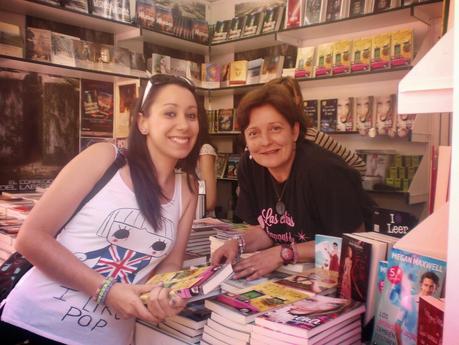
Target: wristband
x=104 y=288
x=295 y=252
x=240 y=244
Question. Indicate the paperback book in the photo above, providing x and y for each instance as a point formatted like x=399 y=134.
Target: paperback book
x=85 y=54
x=146 y=13
x=342 y=57
x=164 y=19
x=231 y=169
x=253 y=24
x=96 y=108
x=430 y=320
x=236 y=26
x=194 y=283
x=361 y=55
x=311 y=316
x=221 y=30
x=38 y=44
x=401 y=48
x=225 y=120
x=409 y=276
x=271 y=68
x=77 y=5
x=385 y=106
x=311 y=112
x=210 y=75
x=328 y=113
x=314 y=11
x=304 y=62
x=200 y=31
x=345 y=115
x=293 y=14
x=335 y=10
x=238 y=72
x=380 y=56
x=272 y=19
x=314 y=281
x=194 y=315
x=241 y=285
x=10 y=40
x=327 y=252
x=357 y=8
x=324 y=60
x=364 y=114
x=254 y=70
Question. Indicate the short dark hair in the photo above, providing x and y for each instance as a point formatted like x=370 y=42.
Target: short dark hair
x=430 y=275
x=278 y=97
x=143 y=171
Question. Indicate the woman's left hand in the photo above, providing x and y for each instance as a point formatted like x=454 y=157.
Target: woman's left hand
x=162 y=304
x=259 y=264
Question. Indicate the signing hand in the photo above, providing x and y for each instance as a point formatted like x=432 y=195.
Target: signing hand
x=259 y=264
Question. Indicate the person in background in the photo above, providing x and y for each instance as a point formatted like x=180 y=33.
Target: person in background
x=85 y=285
x=313 y=134
x=207 y=173
x=290 y=188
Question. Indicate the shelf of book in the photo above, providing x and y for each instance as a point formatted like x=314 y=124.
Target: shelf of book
x=396 y=16
x=61 y=70
x=335 y=80
x=65 y=15
x=245 y=43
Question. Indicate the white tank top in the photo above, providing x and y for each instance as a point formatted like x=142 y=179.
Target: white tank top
x=110 y=235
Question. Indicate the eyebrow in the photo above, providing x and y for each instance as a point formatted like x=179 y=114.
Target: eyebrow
x=176 y=105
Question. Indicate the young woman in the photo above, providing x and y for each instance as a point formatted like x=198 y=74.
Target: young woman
x=290 y=188
x=314 y=135
x=85 y=285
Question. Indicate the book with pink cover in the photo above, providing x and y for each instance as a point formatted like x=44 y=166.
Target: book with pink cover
x=310 y=316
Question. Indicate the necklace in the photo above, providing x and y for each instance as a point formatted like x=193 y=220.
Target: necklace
x=280 y=206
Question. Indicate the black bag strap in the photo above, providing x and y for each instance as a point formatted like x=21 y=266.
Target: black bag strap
x=117 y=164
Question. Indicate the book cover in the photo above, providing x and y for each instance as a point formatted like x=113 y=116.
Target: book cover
x=401 y=48
x=193 y=283
x=430 y=320
x=225 y=120
x=393 y=222
x=328 y=114
x=354 y=271
x=62 y=49
x=304 y=62
x=121 y=10
x=334 y=9
x=229 y=335
x=236 y=26
x=59 y=125
x=293 y=15
x=161 y=64
x=314 y=11
x=254 y=71
x=85 y=54
x=164 y=20
x=327 y=252
x=324 y=60
x=193 y=73
x=10 y=40
x=384 y=5
x=138 y=65
x=103 y=57
x=356 y=8
x=361 y=54
x=210 y=75
x=380 y=56
x=342 y=51
x=271 y=68
x=245 y=307
x=179 y=67
x=382 y=272
x=221 y=30
x=102 y=8
x=272 y=19
x=311 y=112
x=200 y=31
x=405 y=123
x=242 y=285
x=122 y=60
x=96 y=108
x=253 y=24
x=345 y=115
x=194 y=315
x=364 y=114
x=146 y=13
x=238 y=72
x=409 y=276
x=314 y=280
x=126 y=94
x=77 y=5
x=385 y=106
x=38 y=44
x=231 y=167
x=310 y=316
x=220 y=164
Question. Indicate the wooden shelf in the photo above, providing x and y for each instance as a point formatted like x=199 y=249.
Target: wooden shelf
x=64 y=15
x=243 y=44
x=60 y=70
x=169 y=40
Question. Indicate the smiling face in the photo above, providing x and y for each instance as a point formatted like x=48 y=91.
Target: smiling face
x=271 y=140
x=172 y=126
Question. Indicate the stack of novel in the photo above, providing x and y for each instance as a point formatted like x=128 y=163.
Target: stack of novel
x=314 y=320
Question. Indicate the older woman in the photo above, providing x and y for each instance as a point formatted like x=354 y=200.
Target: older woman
x=290 y=188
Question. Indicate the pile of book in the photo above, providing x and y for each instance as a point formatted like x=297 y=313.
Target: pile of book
x=252 y=24
x=308 y=12
x=163 y=18
x=198 y=241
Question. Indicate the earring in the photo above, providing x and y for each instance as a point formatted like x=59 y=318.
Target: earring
x=250 y=157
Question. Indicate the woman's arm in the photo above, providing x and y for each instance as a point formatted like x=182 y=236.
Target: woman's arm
x=207 y=169
x=36 y=239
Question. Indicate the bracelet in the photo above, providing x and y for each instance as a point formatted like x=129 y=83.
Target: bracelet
x=295 y=252
x=102 y=291
x=240 y=244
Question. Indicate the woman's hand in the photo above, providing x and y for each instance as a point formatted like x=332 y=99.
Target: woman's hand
x=259 y=264
x=228 y=252
x=162 y=304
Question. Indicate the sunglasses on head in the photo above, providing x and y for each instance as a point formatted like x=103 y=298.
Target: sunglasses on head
x=164 y=79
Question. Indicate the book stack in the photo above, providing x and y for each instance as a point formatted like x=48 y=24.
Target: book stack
x=314 y=320
x=199 y=242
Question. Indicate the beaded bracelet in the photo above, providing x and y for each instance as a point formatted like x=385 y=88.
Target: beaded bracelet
x=103 y=290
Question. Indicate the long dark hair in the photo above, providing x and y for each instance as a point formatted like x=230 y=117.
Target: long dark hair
x=143 y=171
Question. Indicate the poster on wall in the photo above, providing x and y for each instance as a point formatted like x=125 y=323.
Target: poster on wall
x=126 y=94
x=38 y=130
x=96 y=108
